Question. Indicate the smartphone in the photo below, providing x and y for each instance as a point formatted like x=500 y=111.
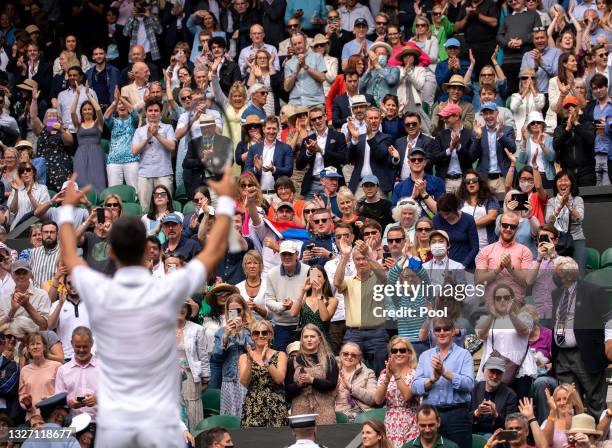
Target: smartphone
x=232 y=314
x=100 y=215
x=543 y=239
x=386 y=252
x=80 y=399
x=522 y=199
x=310 y=246
x=508 y=435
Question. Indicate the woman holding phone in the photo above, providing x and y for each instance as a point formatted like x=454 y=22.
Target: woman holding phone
x=518 y=203
x=231 y=341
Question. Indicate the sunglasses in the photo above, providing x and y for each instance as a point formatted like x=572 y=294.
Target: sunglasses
x=318 y=117
x=602 y=55
x=506 y=225
x=112 y=205
x=3 y=258
x=399 y=350
x=185 y=98
x=349 y=355
x=381 y=23
x=247 y=185
x=416 y=159
x=373 y=232
x=487 y=74
x=262 y=333
x=10 y=336
x=333 y=18
x=445 y=328
x=507 y=298
x=308 y=210
x=161 y=194
x=421 y=25
x=320 y=221
x=395 y=240
x=436 y=14
x=470 y=181
x=411 y=124
x=252 y=126
x=293 y=25
x=25 y=170
x=422 y=229
x=319 y=45
x=339 y=236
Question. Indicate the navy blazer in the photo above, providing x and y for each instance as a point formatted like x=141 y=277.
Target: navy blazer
x=479 y=150
x=426 y=143
x=380 y=160
x=335 y=155
x=442 y=160
x=282 y=160
x=341 y=109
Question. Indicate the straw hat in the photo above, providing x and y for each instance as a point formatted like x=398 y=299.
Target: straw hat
x=221 y=287
x=28 y=84
x=319 y=39
x=252 y=119
x=585 y=424
x=408 y=49
x=384 y=45
x=456 y=80
x=297 y=110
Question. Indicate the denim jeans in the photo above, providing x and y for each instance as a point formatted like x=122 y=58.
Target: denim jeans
x=373 y=344
x=216 y=373
x=283 y=336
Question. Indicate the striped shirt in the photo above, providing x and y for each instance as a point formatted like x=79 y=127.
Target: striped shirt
x=43 y=263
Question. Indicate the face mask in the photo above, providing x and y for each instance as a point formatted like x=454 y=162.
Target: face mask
x=438 y=249
x=382 y=59
x=526 y=186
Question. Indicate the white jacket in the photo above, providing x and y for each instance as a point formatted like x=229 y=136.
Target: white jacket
x=196 y=351
x=521 y=107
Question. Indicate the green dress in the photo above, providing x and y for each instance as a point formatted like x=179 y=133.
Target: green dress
x=308 y=316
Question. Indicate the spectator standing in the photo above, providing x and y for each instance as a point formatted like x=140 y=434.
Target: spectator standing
x=247 y=53
x=352 y=11
x=102 y=77
x=66 y=98
x=527 y=100
x=141 y=28
x=478 y=201
x=273 y=13
x=455 y=89
x=600 y=110
x=445 y=378
x=360 y=45
x=543 y=60
x=312 y=14
x=379 y=79
x=446 y=69
x=304 y=74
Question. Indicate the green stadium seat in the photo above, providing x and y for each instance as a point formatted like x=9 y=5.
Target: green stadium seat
x=478 y=441
x=132 y=209
x=92 y=195
x=224 y=421
x=592 y=258
x=601 y=277
x=188 y=208
x=181 y=194
x=211 y=401
x=372 y=414
x=127 y=193
x=178 y=207
x=105 y=145
x=341 y=418
x=606 y=258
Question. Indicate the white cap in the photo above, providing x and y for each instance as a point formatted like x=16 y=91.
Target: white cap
x=288 y=246
x=302 y=421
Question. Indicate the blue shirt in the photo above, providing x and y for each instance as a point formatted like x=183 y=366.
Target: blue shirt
x=311 y=9
x=326 y=242
x=602 y=142
x=463 y=238
x=547 y=69
x=435 y=187
x=353 y=47
x=444 y=392
x=122 y=132
x=187 y=247
x=307 y=91
x=253 y=110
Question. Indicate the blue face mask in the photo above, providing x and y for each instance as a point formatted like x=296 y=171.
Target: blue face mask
x=382 y=59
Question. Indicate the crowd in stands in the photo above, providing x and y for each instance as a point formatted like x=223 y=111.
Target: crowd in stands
x=409 y=224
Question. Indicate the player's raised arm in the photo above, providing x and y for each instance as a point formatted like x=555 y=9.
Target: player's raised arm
x=67 y=236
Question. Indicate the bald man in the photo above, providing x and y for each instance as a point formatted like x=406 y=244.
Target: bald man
x=136 y=91
x=137 y=54
x=247 y=55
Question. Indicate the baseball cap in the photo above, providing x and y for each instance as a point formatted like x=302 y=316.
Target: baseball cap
x=288 y=246
x=20 y=264
x=450 y=109
x=495 y=363
x=452 y=42
x=360 y=21
x=329 y=171
x=285 y=204
x=490 y=105
x=172 y=217
x=570 y=100
x=370 y=179
x=415 y=150
x=442 y=233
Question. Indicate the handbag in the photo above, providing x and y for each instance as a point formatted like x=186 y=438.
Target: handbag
x=565 y=244
x=512 y=368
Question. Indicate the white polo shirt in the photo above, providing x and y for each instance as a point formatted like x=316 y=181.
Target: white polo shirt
x=133 y=318
x=67 y=321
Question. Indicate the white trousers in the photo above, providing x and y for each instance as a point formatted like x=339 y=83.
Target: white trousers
x=154 y=436
x=146 y=186
x=118 y=173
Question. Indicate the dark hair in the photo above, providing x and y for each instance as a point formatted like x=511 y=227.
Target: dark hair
x=561 y=73
x=388 y=97
x=427 y=410
x=187 y=307
x=98 y=47
x=204 y=190
x=325 y=287
x=350 y=72
x=549 y=228
x=573 y=190
x=23 y=165
x=217 y=40
x=153 y=239
x=151 y=101
x=214 y=435
x=48 y=222
x=449 y=203
x=152 y=211
x=75 y=68
x=396 y=229
x=284 y=181
x=171 y=254
x=88 y=103
x=371 y=224
x=484 y=191
x=343 y=225
x=127 y=239
x=114 y=10
x=502 y=286
x=490 y=87
x=412 y=114
x=598 y=80
x=77 y=49
x=517 y=178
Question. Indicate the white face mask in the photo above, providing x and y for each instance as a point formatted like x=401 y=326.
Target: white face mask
x=438 y=249
x=526 y=186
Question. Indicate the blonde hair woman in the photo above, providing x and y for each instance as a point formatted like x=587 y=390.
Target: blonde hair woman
x=564 y=403
x=262 y=372
x=232 y=105
x=356 y=382
x=253 y=289
x=395 y=390
x=348 y=207
x=312 y=377
x=528 y=99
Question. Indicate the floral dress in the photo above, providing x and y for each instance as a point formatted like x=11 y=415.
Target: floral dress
x=264 y=405
x=400 y=420
x=59 y=163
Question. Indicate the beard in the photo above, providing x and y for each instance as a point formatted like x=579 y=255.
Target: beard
x=49 y=244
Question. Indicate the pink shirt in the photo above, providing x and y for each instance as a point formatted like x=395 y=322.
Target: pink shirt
x=489 y=258
x=77 y=381
x=38 y=382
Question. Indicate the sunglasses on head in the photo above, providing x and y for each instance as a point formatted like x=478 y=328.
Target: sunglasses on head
x=399 y=350
x=506 y=297
x=262 y=333
x=471 y=180
x=506 y=225
x=394 y=240
x=445 y=328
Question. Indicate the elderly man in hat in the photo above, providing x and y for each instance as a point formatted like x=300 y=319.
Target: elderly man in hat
x=380 y=79
x=490 y=146
x=25 y=300
x=258 y=94
x=304 y=74
x=55 y=412
x=456 y=89
x=454 y=142
x=452 y=66
x=358 y=105
x=492 y=400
